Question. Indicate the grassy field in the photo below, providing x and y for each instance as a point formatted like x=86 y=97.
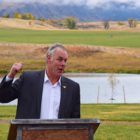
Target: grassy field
x=73 y=37
x=81 y=58
x=118 y=121
x=90 y=51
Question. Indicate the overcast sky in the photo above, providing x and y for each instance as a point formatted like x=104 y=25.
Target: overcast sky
x=86 y=2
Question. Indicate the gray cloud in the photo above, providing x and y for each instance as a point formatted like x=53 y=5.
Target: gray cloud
x=90 y=3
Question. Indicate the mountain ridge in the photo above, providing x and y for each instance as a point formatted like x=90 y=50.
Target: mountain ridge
x=114 y=11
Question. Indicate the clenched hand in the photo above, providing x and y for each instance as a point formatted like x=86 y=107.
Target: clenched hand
x=15 y=69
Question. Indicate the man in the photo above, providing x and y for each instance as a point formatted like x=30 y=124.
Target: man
x=43 y=94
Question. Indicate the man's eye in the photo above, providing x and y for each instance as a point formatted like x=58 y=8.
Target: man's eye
x=59 y=59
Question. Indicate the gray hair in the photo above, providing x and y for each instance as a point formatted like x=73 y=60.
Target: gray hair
x=53 y=47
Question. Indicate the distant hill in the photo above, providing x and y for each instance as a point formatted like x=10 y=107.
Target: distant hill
x=115 y=12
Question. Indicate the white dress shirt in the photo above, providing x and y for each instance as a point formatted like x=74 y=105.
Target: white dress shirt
x=50 y=99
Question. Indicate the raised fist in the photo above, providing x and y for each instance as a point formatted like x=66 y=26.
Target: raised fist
x=15 y=69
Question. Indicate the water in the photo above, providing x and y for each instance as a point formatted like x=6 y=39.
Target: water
x=98 y=88
x=107 y=88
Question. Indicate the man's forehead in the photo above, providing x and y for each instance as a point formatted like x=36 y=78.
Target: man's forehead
x=61 y=51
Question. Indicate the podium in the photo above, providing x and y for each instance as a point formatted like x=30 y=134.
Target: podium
x=60 y=129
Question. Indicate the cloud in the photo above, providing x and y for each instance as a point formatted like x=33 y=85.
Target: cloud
x=91 y=3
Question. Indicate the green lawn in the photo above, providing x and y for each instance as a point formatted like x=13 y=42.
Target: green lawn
x=75 y=37
x=118 y=121
x=112 y=112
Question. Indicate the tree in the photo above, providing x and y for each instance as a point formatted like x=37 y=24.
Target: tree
x=132 y=23
x=28 y=16
x=70 y=22
x=113 y=82
x=6 y=16
x=106 y=24
x=42 y=21
x=17 y=15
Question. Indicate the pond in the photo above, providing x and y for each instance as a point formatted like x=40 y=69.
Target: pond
x=109 y=88
x=106 y=88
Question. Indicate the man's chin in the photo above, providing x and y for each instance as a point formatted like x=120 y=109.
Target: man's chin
x=60 y=73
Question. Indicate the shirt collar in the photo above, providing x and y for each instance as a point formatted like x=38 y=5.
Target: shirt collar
x=46 y=79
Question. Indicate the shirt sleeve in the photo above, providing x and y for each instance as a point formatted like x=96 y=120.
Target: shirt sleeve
x=8 y=79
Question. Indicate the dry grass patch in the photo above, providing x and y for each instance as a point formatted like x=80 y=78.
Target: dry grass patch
x=25 y=24
x=81 y=58
x=40 y=25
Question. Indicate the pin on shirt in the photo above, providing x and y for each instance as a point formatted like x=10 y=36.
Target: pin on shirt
x=64 y=86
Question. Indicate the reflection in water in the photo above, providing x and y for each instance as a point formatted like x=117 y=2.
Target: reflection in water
x=107 y=88
x=121 y=88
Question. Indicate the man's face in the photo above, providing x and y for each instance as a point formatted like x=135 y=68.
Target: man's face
x=57 y=62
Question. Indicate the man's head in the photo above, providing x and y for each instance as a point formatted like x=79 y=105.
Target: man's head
x=56 y=60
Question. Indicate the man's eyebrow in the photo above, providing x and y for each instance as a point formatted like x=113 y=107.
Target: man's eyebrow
x=62 y=58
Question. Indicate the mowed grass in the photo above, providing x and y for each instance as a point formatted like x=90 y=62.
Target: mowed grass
x=118 y=121
x=111 y=112
x=74 y=37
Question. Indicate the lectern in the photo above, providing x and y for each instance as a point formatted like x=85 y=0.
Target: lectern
x=60 y=129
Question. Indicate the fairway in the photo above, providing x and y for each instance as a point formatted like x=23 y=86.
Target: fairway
x=73 y=37
x=118 y=121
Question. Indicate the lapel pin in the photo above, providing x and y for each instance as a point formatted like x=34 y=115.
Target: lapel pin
x=64 y=86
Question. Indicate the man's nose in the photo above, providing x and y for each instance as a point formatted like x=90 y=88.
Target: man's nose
x=63 y=62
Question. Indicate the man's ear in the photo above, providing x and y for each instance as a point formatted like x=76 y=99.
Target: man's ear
x=48 y=58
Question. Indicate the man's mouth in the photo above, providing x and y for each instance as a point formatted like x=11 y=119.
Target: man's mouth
x=60 y=70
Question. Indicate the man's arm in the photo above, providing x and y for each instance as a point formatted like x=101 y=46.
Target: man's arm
x=7 y=92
